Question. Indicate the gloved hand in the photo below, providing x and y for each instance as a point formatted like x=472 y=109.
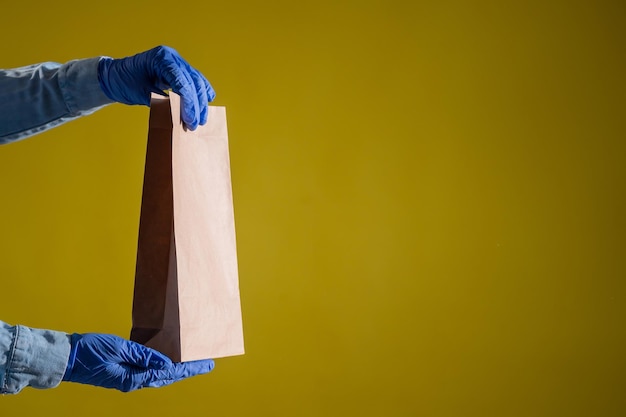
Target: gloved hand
x=111 y=362
x=131 y=80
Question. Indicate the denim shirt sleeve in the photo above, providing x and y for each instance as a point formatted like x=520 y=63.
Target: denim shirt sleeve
x=31 y=357
x=39 y=97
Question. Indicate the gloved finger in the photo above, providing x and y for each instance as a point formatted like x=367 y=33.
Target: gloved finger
x=190 y=106
x=135 y=354
x=190 y=111
x=210 y=92
x=179 y=371
x=176 y=75
x=190 y=102
x=203 y=99
x=209 y=89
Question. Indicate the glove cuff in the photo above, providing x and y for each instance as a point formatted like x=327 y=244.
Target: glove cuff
x=74 y=338
x=104 y=65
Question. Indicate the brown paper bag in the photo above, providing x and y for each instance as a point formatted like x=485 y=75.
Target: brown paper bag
x=186 y=299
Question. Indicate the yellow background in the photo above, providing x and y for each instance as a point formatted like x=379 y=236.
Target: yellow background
x=429 y=196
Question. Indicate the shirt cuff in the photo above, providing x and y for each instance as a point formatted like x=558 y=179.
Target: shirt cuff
x=81 y=89
x=36 y=358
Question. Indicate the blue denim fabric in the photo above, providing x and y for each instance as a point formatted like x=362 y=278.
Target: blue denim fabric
x=31 y=357
x=38 y=97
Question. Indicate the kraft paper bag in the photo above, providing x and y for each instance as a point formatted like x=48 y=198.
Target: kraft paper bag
x=186 y=298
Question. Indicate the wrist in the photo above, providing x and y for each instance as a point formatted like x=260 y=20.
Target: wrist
x=73 y=339
x=104 y=66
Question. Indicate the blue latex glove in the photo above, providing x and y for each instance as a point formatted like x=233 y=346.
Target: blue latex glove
x=109 y=361
x=131 y=80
